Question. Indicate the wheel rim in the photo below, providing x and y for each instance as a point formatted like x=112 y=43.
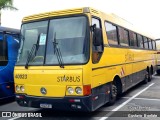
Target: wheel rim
x=114 y=91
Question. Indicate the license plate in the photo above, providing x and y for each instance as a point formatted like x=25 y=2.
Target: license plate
x=44 y=105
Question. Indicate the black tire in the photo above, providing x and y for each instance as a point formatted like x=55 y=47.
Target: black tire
x=113 y=95
x=145 y=81
x=158 y=72
x=150 y=76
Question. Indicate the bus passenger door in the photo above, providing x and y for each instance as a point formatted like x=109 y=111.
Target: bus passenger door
x=98 y=91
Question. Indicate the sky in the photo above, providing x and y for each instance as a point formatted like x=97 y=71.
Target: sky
x=144 y=14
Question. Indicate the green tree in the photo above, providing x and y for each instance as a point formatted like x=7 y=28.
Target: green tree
x=6 y=5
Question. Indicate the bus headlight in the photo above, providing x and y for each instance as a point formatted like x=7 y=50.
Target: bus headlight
x=22 y=88
x=17 y=88
x=78 y=90
x=70 y=90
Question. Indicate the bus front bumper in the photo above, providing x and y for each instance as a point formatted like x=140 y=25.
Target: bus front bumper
x=66 y=103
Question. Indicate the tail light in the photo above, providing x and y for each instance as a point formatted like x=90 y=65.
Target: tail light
x=86 y=89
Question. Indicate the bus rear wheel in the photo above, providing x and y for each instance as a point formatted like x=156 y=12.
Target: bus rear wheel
x=113 y=94
x=149 y=75
x=145 y=81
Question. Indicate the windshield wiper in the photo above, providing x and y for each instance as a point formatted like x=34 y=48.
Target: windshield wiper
x=33 y=50
x=30 y=55
x=58 y=52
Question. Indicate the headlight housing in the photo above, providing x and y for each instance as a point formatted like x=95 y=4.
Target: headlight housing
x=17 y=88
x=78 y=90
x=22 y=88
x=70 y=90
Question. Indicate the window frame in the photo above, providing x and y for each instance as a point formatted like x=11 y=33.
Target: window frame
x=142 y=40
x=154 y=44
x=124 y=30
x=116 y=33
x=150 y=44
x=99 y=53
x=147 y=43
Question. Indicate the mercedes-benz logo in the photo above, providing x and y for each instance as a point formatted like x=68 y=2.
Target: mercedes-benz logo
x=43 y=91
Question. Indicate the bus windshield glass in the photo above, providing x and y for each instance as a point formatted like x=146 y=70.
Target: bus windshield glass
x=66 y=35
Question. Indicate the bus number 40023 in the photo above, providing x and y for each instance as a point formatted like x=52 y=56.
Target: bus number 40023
x=21 y=76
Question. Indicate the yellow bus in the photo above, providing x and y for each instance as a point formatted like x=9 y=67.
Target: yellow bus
x=80 y=59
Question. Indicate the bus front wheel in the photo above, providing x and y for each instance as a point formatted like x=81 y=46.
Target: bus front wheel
x=113 y=94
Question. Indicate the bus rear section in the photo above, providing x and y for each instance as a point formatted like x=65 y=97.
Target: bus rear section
x=9 y=44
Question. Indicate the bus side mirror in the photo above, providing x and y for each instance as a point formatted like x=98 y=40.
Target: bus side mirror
x=97 y=37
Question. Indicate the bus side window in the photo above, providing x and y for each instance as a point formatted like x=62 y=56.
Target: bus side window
x=133 y=39
x=140 y=41
x=3 y=50
x=112 y=35
x=97 y=50
x=145 y=43
x=123 y=36
x=150 y=44
x=154 y=45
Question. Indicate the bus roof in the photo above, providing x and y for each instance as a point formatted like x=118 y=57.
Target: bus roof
x=108 y=17
x=53 y=13
x=9 y=30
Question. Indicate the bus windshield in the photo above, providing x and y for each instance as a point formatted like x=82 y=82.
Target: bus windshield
x=69 y=33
